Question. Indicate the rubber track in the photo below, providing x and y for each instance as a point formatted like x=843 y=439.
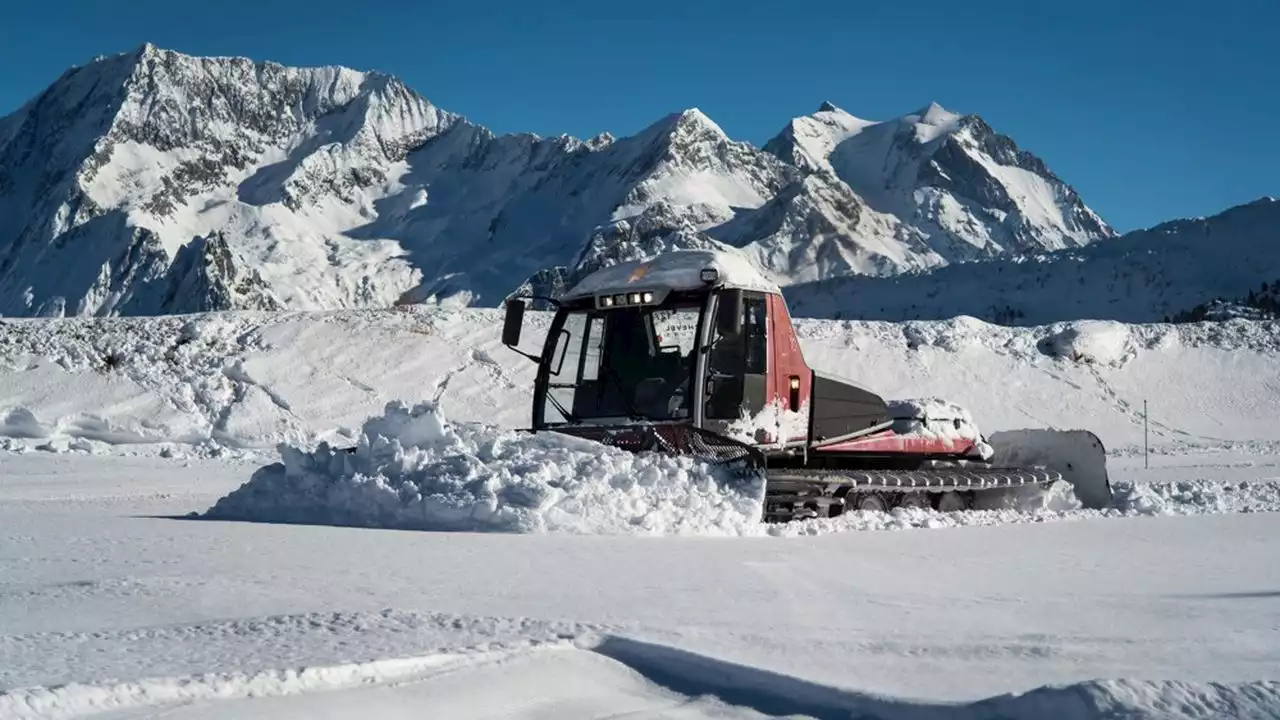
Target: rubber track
x=928 y=480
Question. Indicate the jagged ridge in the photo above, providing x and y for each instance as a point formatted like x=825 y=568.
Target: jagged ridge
x=155 y=182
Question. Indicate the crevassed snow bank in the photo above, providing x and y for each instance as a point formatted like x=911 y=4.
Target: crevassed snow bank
x=413 y=469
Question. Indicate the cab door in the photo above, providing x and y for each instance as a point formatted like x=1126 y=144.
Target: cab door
x=738 y=365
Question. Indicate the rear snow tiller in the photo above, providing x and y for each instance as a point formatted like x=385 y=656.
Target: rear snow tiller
x=694 y=353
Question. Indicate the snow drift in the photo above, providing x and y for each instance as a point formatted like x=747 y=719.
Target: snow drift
x=413 y=469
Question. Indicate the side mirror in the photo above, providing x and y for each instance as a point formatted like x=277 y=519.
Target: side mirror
x=512 y=322
x=729 y=315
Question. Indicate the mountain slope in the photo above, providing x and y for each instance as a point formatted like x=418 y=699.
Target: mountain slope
x=124 y=162
x=155 y=182
x=1142 y=276
x=203 y=183
x=969 y=191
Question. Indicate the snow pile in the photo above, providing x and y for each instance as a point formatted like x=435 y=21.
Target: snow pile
x=1133 y=698
x=413 y=469
x=955 y=334
x=937 y=417
x=1198 y=497
x=774 y=424
x=1093 y=342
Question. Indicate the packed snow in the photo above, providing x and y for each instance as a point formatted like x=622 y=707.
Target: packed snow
x=110 y=602
x=678 y=270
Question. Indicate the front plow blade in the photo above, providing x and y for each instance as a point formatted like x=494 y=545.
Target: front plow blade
x=1078 y=454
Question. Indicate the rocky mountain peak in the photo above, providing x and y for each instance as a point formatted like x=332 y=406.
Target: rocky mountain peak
x=154 y=181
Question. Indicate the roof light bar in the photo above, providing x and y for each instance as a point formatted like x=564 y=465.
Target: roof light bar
x=646 y=297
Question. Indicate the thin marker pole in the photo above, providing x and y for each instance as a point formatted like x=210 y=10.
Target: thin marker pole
x=1146 y=448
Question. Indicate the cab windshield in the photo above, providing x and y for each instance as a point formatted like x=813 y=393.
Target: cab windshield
x=622 y=363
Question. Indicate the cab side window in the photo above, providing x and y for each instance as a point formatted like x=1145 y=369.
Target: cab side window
x=738 y=363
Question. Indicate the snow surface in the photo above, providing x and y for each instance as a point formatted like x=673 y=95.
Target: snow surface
x=239 y=383
x=111 y=602
x=676 y=270
x=116 y=602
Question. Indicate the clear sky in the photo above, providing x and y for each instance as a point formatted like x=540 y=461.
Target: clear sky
x=1152 y=110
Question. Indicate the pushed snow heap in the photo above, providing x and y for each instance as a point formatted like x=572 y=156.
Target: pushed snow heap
x=937 y=417
x=413 y=469
x=1096 y=342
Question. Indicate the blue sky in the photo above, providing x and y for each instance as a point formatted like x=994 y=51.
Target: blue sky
x=1151 y=110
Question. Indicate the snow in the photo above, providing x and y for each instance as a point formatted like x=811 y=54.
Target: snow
x=1097 y=342
x=676 y=270
x=110 y=602
x=616 y=676
x=936 y=417
x=243 y=382
x=1141 y=277
x=920 y=168
x=116 y=602
x=413 y=469
x=333 y=188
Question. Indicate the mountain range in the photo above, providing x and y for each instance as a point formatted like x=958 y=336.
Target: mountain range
x=154 y=182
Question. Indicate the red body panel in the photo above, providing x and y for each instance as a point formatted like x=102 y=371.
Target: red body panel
x=888 y=441
x=785 y=360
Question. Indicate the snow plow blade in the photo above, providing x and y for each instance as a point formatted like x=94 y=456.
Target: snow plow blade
x=1077 y=454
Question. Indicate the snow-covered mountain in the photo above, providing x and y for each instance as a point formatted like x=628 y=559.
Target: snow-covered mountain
x=968 y=190
x=155 y=182
x=1142 y=276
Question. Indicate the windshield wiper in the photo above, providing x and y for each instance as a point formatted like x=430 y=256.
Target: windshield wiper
x=568 y=416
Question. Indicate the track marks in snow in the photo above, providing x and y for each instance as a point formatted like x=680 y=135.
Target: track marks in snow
x=477 y=358
x=493 y=367
x=237 y=373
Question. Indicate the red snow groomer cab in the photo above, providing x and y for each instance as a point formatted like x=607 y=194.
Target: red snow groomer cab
x=694 y=352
